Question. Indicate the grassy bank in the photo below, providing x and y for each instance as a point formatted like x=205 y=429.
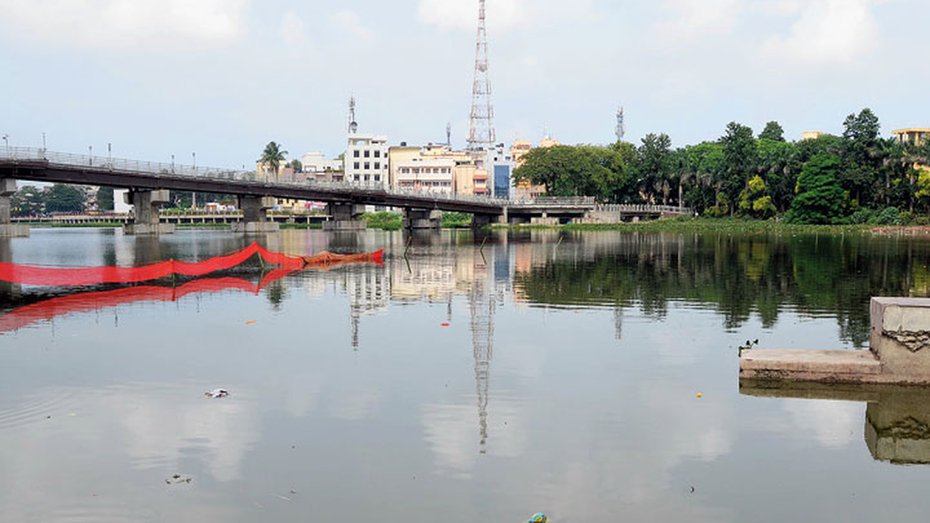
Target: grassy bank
x=706 y=225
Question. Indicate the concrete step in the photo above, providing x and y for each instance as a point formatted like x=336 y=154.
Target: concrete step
x=825 y=366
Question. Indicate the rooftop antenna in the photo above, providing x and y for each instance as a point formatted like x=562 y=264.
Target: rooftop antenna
x=621 y=126
x=481 y=134
x=353 y=125
x=449 y=135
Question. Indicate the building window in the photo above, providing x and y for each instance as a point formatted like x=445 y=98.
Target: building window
x=367 y=153
x=377 y=177
x=366 y=177
x=377 y=165
x=355 y=153
x=355 y=165
x=377 y=154
x=367 y=166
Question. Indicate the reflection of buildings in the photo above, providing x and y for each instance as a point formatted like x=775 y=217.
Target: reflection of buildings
x=368 y=290
x=897 y=419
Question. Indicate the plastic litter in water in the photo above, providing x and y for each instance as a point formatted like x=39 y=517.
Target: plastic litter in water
x=538 y=517
x=216 y=393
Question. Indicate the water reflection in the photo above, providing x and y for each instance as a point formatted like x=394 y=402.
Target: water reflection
x=897 y=419
x=565 y=380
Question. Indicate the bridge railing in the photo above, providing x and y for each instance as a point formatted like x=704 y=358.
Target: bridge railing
x=589 y=201
x=643 y=208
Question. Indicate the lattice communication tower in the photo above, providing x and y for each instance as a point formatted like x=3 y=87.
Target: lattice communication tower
x=481 y=134
x=621 y=125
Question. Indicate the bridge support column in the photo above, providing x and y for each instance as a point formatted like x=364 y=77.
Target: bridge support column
x=422 y=219
x=145 y=212
x=255 y=215
x=345 y=217
x=479 y=221
x=7 y=228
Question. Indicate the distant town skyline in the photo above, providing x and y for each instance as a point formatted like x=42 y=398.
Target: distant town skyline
x=221 y=78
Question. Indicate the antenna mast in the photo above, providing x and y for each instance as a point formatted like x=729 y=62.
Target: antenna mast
x=353 y=125
x=481 y=127
x=621 y=126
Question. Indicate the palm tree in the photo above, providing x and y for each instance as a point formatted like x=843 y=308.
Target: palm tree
x=272 y=157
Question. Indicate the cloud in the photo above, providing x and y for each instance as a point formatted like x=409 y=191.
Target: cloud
x=118 y=24
x=835 y=32
x=502 y=15
x=691 y=19
x=351 y=23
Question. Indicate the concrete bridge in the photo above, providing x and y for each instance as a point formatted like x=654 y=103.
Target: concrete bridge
x=149 y=182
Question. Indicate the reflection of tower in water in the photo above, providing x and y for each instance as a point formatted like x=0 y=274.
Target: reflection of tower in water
x=481 y=308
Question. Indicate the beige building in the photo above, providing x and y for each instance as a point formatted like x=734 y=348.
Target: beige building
x=811 y=135
x=435 y=168
x=913 y=135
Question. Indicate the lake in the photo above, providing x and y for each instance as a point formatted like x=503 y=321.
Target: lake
x=469 y=378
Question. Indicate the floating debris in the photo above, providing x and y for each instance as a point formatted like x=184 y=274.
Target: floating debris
x=251 y=322
x=538 y=517
x=177 y=478
x=216 y=393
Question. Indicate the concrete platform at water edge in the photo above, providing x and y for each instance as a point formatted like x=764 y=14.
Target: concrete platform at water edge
x=899 y=352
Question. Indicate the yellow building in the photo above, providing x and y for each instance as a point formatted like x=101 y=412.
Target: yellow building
x=811 y=135
x=913 y=135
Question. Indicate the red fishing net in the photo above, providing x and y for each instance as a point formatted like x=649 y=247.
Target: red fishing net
x=92 y=301
x=65 y=276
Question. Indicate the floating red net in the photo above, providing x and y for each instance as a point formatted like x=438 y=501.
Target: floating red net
x=92 y=301
x=63 y=276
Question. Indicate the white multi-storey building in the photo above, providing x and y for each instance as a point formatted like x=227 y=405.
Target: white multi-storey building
x=366 y=160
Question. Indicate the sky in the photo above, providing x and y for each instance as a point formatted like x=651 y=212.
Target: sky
x=221 y=78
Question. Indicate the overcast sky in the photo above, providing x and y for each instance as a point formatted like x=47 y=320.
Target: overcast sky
x=223 y=77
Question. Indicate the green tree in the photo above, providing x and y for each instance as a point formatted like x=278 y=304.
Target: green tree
x=863 y=157
x=739 y=156
x=27 y=201
x=655 y=170
x=272 y=157
x=779 y=166
x=820 y=199
x=296 y=165
x=105 y=199
x=754 y=201
x=64 y=198
x=773 y=131
x=702 y=165
x=566 y=170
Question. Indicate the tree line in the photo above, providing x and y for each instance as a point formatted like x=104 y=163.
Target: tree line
x=31 y=200
x=858 y=177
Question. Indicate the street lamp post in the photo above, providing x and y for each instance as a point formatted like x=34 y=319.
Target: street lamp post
x=6 y=144
x=194 y=194
x=172 y=164
x=44 y=148
x=90 y=153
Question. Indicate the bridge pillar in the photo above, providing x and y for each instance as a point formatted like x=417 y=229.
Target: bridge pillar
x=7 y=228
x=482 y=220
x=345 y=217
x=145 y=212
x=255 y=215
x=422 y=219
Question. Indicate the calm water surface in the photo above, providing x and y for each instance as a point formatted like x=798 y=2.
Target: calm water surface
x=566 y=382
